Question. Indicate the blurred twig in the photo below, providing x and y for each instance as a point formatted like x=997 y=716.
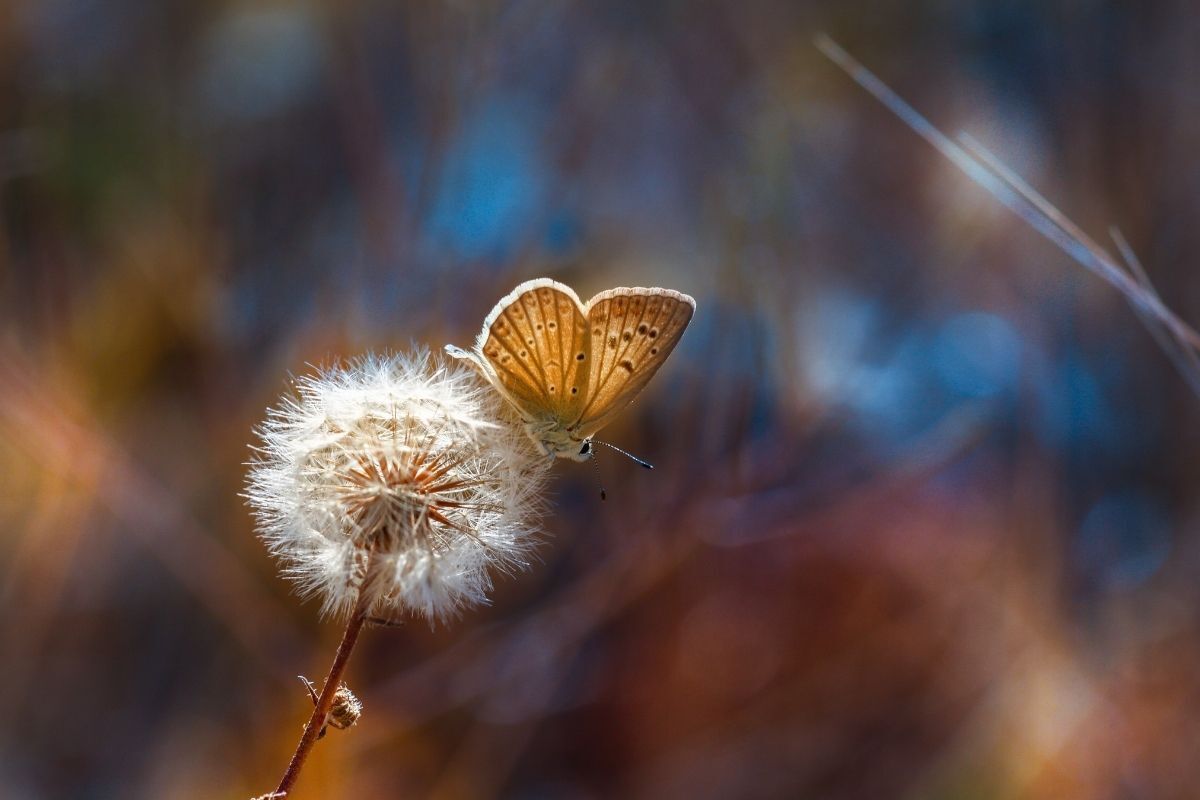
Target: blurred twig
x=990 y=173
x=65 y=442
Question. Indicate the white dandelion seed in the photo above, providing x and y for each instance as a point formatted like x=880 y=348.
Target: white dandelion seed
x=399 y=479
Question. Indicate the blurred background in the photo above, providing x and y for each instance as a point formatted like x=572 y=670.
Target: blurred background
x=923 y=523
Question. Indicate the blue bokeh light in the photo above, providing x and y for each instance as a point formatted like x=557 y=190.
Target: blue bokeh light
x=977 y=355
x=1124 y=539
x=493 y=182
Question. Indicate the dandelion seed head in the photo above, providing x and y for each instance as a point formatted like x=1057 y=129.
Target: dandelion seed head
x=400 y=477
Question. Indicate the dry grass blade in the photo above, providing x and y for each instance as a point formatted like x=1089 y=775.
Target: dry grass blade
x=993 y=176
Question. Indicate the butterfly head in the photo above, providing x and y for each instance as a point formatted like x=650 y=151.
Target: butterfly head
x=559 y=442
x=574 y=450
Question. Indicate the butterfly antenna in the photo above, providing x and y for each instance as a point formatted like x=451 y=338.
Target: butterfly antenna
x=630 y=456
x=599 y=480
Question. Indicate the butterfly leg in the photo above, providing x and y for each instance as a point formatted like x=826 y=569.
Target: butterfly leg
x=542 y=445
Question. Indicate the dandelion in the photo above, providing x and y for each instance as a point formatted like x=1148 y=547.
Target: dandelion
x=389 y=487
x=397 y=482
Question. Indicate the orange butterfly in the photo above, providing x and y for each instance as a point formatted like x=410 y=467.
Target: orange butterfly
x=567 y=367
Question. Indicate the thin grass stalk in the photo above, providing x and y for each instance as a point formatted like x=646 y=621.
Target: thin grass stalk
x=321 y=710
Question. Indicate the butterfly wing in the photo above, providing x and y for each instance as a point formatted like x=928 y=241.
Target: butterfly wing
x=631 y=332
x=535 y=341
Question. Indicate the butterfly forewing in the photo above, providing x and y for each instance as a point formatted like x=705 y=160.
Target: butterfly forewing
x=632 y=331
x=534 y=340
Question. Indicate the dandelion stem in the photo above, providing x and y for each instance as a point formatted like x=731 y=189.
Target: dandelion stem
x=325 y=701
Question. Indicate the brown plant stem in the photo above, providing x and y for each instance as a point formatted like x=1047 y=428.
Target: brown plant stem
x=325 y=701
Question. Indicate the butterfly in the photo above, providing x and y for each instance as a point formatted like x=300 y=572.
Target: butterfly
x=567 y=367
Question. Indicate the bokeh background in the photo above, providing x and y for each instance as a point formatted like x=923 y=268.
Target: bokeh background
x=923 y=523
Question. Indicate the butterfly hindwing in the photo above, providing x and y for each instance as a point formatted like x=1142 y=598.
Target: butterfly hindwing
x=533 y=340
x=632 y=331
